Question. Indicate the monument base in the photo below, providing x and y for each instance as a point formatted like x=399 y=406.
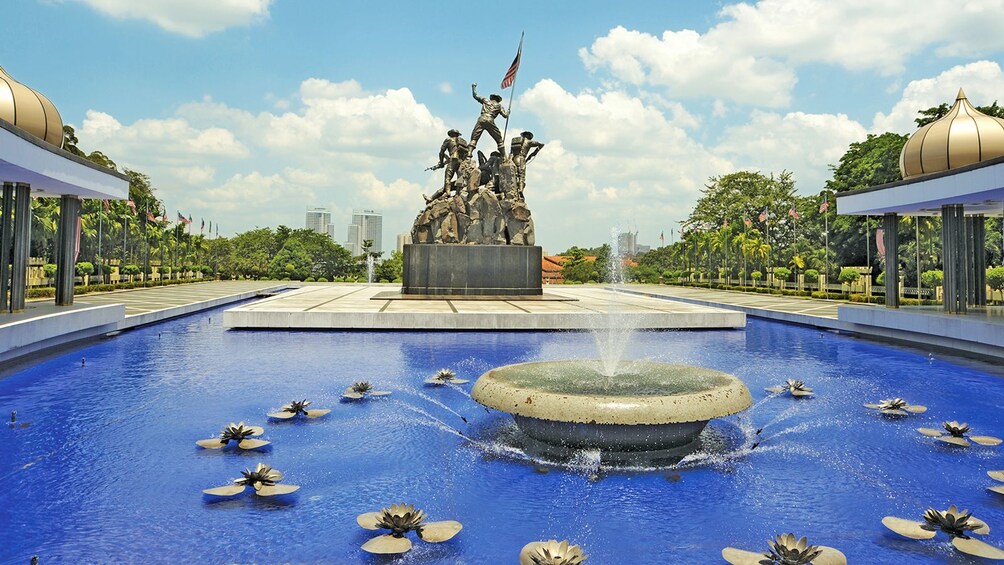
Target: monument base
x=443 y=269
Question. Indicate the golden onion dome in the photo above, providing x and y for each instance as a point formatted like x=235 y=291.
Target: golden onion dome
x=29 y=110
x=961 y=137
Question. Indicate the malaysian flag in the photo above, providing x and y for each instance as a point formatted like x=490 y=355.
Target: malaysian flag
x=792 y=213
x=763 y=216
x=132 y=205
x=510 y=75
x=748 y=222
x=150 y=217
x=824 y=206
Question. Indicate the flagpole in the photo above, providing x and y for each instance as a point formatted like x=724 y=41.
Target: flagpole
x=519 y=59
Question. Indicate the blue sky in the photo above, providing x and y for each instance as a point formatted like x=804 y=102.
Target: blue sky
x=247 y=112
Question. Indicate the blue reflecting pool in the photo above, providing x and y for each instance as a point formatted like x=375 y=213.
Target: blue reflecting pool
x=108 y=470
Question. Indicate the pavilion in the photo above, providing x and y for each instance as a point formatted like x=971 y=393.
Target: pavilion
x=952 y=168
x=33 y=163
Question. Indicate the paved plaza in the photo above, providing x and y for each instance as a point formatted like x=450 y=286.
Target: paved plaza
x=568 y=307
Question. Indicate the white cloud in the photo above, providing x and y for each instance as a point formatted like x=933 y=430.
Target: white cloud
x=982 y=81
x=805 y=144
x=192 y=18
x=445 y=88
x=751 y=55
x=611 y=159
x=151 y=142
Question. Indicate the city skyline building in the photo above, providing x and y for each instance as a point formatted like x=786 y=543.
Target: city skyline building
x=319 y=220
x=366 y=224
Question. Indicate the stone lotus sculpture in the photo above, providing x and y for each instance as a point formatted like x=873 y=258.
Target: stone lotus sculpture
x=263 y=480
x=236 y=432
x=296 y=408
x=955 y=434
x=786 y=550
x=551 y=552
x=958 y=524
x=896 y=407
x=999 y=477
x=445 y=376
x=361 y=390
x=401 y=519
x=796 y=388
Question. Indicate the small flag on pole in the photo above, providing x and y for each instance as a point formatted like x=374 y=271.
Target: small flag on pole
x=880 y=241
x=748 y=222
x=824 y=206
x=662 y=237
x=510 y=75
x=132 y=205
x=180 y=217
x=150 y=217
x=202 y=228
x=792 y=213
x=107 y=205
x=763 y=216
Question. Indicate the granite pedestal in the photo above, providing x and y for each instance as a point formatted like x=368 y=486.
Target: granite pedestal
x=471 y=270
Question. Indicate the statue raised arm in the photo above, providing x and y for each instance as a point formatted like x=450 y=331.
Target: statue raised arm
x=490 y=109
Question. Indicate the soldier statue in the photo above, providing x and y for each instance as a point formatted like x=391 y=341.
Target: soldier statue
x=490 y=109
x=524 y=148
x=451 y=154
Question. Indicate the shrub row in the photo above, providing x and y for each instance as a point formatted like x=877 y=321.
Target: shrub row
x=50 y=291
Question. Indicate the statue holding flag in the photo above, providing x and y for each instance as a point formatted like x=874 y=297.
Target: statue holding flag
x=481 y=203
x=490 y=109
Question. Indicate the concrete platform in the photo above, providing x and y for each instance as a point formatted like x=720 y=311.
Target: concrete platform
x=43 y=325
x=976 y=333
x=582 y=307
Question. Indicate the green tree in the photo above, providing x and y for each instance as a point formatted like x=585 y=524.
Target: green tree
x=291 y=261
x=391 y=268
x=253 y=252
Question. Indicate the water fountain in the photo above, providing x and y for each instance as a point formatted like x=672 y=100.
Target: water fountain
x=369 y=269
x=608 y=403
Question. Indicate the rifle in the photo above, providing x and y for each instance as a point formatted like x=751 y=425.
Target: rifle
x=436 y=167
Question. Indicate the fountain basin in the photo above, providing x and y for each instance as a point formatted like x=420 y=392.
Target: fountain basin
x=647 y=406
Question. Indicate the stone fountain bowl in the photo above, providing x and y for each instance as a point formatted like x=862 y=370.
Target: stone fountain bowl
x=647 y=406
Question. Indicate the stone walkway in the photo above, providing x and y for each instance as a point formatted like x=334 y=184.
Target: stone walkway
x=793 y=309
x=566 y=307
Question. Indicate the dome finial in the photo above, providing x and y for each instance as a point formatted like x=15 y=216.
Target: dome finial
x=961 y=95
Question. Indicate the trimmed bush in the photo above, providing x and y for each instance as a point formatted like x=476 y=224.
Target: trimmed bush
x=783 y=273
x=83 y=268
x=995 y=278
x=130 y=269
x=848 y=275
x=322 y=279
x=49 y=270
x=932 y=278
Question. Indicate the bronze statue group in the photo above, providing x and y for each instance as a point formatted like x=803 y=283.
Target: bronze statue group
x=480 y=203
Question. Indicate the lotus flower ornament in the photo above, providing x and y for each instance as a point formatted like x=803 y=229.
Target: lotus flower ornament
x=401 y=519
x=955 y=434
x=445 y=376
x=361 y=390
x=236 y=432
x=786 y=549
x=551 y=552
x=999 y=477
x=296 y=408
x=958 y=524
x=263 y=480
x=796 y=388
x=896 y=407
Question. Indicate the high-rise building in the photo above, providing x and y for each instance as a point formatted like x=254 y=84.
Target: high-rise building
x=627 y=243
x=366 y=224
x=402 y=239
x=318 y=220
